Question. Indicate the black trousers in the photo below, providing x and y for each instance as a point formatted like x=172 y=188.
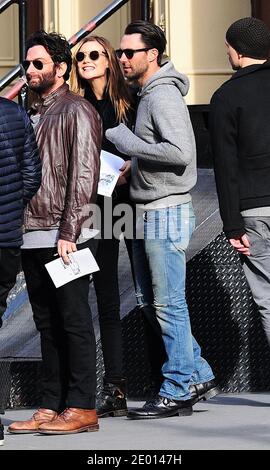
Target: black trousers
x=108 y=300
x=63 y=318
x=10 y=260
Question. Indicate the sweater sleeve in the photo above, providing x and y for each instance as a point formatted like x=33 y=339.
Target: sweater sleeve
x=223 y=128
x=173 y=132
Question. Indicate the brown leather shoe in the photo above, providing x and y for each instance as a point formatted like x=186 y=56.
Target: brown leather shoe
x=42 y=415
x=71 y=421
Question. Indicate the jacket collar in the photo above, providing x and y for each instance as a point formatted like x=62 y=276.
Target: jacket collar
x=250 y=69
x=48 y=100
x=40 y=105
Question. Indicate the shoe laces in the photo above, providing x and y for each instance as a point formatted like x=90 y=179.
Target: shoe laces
x=65 y=415
x=39 y=414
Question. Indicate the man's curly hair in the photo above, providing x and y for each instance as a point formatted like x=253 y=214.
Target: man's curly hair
x=55 y=44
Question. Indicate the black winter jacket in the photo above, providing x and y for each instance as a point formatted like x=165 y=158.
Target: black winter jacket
x=20 y=170
x=240 y=133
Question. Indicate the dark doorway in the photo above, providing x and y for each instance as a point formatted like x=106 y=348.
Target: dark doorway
x=34 y=23
x=140 y=10
x=261 y=9
x=34 y=16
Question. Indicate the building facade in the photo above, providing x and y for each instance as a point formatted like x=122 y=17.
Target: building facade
x=195 y=30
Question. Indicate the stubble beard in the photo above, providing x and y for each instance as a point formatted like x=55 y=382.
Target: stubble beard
x=43 y=84
x=136 y=75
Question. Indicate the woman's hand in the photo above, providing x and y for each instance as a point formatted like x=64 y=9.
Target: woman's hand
x=125 y=173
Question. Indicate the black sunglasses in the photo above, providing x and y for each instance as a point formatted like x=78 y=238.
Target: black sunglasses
x=129 y=53
x=93 y=55
x=38 y=64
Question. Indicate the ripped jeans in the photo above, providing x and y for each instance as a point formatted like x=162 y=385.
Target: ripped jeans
x=160 y=266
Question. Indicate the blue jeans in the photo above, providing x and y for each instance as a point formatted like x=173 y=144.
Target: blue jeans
x=160 y=266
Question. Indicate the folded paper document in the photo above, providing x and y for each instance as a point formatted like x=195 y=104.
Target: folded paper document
x=82 y=262
x=110 y=166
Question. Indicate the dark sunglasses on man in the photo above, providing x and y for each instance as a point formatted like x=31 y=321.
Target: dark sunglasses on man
x=38 y=64
x=93 y=55
x=129 y=53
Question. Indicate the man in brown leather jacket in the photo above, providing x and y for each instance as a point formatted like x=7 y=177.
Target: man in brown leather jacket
x=68 y=133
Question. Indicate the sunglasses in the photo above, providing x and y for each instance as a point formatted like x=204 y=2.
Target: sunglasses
x=129 y=53
x=38 y=64
x=93 y=55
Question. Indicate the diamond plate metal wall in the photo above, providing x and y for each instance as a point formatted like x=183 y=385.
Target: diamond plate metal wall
x=5 y=384
x=20 y=382
x=225 y=320
x=136 y=365
x=24 y=384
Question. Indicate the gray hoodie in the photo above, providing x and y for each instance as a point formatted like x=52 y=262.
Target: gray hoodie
x=162 y=147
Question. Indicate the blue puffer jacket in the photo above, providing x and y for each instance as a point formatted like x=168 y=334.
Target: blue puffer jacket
x=20 y=170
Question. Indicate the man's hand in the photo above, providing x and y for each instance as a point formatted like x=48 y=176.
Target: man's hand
x=64 y=247
x=241 y=244
x=125 y=173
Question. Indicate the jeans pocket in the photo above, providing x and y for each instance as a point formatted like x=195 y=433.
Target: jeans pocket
x=181 y=227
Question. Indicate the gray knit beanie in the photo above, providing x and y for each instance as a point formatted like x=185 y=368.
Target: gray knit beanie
x=250 y=37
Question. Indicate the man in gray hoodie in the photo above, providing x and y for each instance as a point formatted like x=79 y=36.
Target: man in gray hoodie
x=163 y=170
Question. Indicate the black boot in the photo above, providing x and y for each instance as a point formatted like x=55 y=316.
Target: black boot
x=113 y=400
x=1 y=434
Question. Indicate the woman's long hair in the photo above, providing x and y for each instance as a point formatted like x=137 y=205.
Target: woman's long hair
x=116 y=86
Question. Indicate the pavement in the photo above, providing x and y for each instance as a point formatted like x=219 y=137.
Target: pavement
x=226 y=422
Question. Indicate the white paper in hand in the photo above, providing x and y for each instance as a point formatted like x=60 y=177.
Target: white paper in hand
x=110 y=165
x=82 y=262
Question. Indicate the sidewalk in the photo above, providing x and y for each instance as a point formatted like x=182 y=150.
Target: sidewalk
x=231 y=421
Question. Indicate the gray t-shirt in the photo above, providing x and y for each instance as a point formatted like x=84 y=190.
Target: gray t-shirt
x=49 y=238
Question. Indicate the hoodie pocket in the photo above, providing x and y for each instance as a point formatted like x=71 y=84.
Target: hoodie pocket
x=145 y=175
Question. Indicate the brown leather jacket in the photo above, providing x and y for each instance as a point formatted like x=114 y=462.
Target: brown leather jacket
x=69 y=134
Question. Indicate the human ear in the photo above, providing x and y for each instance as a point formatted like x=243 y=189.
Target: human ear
x=152 y=54
x=61 y=69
